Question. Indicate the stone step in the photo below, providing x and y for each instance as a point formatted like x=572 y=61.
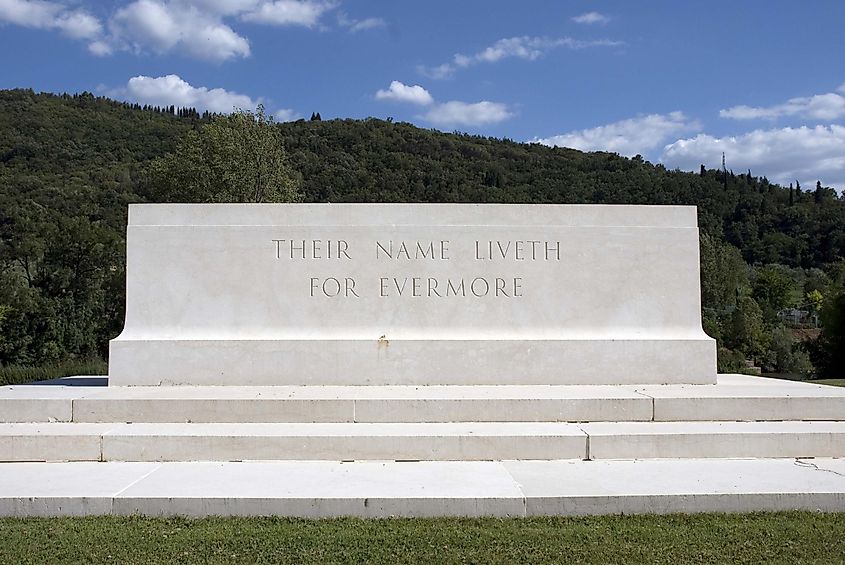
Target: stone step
x=679 y=440
x=735 y=397
x=418 y=441
x=321 y=441
x=317 y=489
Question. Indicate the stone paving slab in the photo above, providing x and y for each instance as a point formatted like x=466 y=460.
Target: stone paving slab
x=381 y=489
x=665 y=486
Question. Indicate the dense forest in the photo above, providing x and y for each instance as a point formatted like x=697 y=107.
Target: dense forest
x=773 y=275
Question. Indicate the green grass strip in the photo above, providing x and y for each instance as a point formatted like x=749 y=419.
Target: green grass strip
x=14 y=374
x=832 y=382
x=787 y=537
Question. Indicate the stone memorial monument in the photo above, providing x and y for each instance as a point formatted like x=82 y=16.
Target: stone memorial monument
x=416 y=360
x=422 y=294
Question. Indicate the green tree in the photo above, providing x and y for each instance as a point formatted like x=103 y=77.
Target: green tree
x=4 y=313
x=724 y=275
x=816 y=279
x=785 y=355
x=745 y=331
x=814 y=299
x=828 y=351
x=774 y=289
x=70 y=164
x=235 y=158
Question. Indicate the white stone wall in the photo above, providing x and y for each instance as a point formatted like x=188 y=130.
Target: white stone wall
x=411 y=294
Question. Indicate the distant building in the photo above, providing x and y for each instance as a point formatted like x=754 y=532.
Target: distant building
x=797 y=317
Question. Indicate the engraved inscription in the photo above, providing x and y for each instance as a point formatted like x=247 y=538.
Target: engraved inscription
x=412 y=250
x=390 y=251
x=311 y=249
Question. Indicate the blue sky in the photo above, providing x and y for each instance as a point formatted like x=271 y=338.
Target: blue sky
x=678 y=82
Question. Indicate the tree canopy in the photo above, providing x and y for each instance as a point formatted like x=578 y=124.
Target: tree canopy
x=70 y=164
x=234 y=158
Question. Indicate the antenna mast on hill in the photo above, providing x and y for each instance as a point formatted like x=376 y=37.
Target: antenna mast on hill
x=724 y=171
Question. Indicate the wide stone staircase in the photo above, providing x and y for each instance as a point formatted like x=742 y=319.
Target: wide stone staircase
x=745 y=443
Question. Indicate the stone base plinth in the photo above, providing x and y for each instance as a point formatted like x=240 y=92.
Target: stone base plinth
x=411 y=362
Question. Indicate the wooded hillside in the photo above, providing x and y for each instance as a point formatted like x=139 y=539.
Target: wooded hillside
x=70 y=164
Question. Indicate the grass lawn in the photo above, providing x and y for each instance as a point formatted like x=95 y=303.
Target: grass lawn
x=14 y=374
x=794 y=537
x=832 y=382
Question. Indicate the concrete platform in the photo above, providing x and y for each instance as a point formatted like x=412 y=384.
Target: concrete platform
x=515 y=450
x=380 y=489
x=733 y=398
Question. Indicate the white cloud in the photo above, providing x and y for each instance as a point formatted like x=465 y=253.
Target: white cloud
x=626 y=137
x=225 y=7
x=147 y=23
x=172 y=90
x=99 y=48
x=79 y=25
x=289 y=12
x=452 y=113
x=40 y=14
x=354 y=25
x=30 y=13
x=286 y=115
x=783 y=155
x=591 y=18
x=196 y=28
x=399 y=92
x=529 y=48
x=367 y=23
x=828 y=106
x=523 y=47
x=455 y=113
x=439 y=72
x=161 y=27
